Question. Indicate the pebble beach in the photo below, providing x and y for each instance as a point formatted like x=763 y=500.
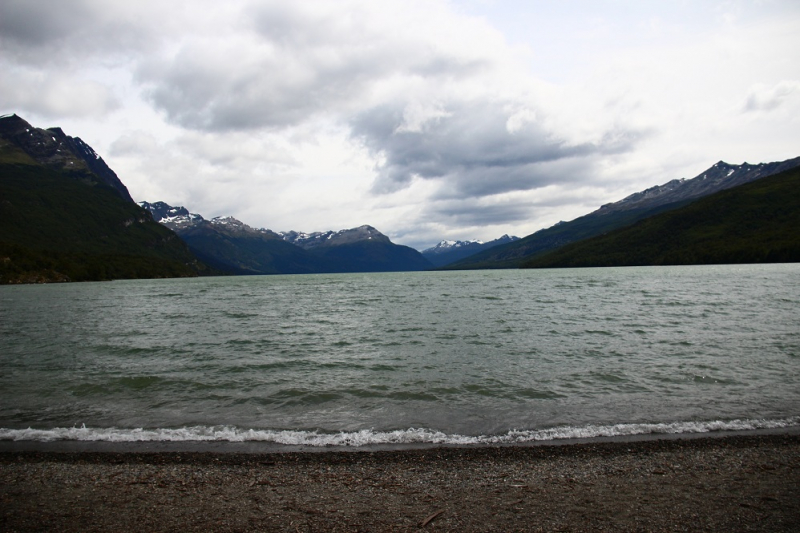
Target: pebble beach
x=731 y=483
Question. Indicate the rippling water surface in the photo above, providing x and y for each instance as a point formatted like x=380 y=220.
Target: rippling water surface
x=435 y=357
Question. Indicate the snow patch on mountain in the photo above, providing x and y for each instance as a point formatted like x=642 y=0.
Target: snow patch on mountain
x=446 y=246
x=330 y=238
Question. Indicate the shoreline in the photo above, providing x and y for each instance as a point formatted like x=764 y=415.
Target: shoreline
x=264 y=447
x=741 y=482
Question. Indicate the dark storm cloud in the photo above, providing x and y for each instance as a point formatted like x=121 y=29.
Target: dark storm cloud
x=470 y=147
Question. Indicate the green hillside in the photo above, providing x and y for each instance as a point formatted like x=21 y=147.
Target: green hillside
x=54 y=227
x=754 y=223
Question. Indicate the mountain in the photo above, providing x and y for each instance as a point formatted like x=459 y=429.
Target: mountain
x=635 y=207
x=172 y=217
x=319 y=240
x=753 y=223
x=54 y=150
x=361 y=249
x=447 y=252
x=231 y=245
x=65 y=216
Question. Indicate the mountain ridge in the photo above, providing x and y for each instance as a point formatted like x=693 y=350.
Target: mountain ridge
x=310 y=241
x=53 y=149
x=718 y=177
x=756 y=222
x=637 y=206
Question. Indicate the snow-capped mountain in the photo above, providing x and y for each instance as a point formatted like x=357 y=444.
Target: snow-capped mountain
x=231 y=245
x=234 y=225
x=309 y=241
x=179 y=219
x=446 y=246
x=448 y=251
x=172 y=217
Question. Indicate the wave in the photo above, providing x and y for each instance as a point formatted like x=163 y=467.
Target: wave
x=371 y=437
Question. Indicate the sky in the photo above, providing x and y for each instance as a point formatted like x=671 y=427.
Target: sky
x=429 y=120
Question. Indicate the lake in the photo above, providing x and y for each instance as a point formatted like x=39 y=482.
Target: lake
x=425 y=357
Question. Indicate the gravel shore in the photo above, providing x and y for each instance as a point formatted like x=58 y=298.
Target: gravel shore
x=740 y=483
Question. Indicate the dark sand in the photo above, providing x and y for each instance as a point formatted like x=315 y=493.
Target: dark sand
x=736 y=483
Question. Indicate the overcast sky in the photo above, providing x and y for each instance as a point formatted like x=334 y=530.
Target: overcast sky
x=427 y=119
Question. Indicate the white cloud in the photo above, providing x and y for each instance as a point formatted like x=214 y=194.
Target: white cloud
x=769 y=98
x=55 y=94
x=417 y=114
x=281 y=64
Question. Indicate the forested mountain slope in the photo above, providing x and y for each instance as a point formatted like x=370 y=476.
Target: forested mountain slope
x=758 y=222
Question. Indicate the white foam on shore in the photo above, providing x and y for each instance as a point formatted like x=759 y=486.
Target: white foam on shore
x=369 y=437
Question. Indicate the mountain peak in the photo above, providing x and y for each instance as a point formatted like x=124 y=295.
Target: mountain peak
x=54 y=149
x=230 y=222
x=719 y=176
x=448 y=251
x=317 y=239
x=173 y=217
x=13 y=124
x=448 y=245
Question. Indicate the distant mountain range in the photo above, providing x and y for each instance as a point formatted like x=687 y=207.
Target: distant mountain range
x=232 y=246
x=65 y=216
x=638 y=206
x=447 y=252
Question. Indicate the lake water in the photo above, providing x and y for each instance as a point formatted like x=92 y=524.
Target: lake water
x=437 y=357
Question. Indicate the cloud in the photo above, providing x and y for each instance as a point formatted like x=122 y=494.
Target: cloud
x=201 y=170
x=476 y=213
x=69 y=34
x=414 y=86
x=433 y=94
x=238 y=85
x=766 y=98
x=37 y=24
x=281 y=64
x=477 y=148
x=55 y=94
